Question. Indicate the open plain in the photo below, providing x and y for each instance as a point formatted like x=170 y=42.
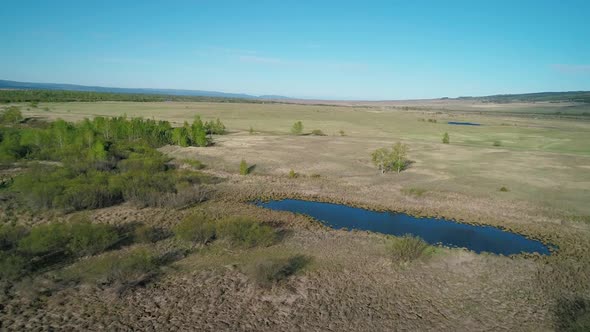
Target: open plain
x=539 y=156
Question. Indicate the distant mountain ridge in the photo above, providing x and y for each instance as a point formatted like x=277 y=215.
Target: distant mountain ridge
x=5 y=84
x=570 y=96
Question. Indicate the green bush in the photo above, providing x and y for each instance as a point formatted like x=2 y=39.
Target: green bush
x=147 y=234
x=269 y=271
x=121 y=267
x=292 y=174
x=504 y=189
x=408 y=248
x=44 y=239
x=446 y=138
x=196 y=228
x=297 y=128
x=11 y=115
x=244 y=169
x=12 y=266
x=10 y=235
x=89 y=239
x=342 y=133
x=245 y=232
x=196 y=164
x=77 y=239
x=497 y=143
x=317 y=132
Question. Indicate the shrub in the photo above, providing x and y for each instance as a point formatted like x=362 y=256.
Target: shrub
x=572 y=313
x=292 y=174
x=183 y=197
x=408 y=248
x=122 y=267
x=89 y=239
x=497 y=143
x=142 y=188
x=10 y=235
x=251 y=131
x=147 y=234
x=215 y=127
x=196 y=228
x=297 y=128
x=341 y=132
x=317 y=132
x=446 y=138
x=12 y=115
x=12 y=266
x=196 y=164
x=77 y=238
x=315 y=176
x=266 y=272
x=45 y=239
x=245 y=232
x=504 y=189
x=244 y=169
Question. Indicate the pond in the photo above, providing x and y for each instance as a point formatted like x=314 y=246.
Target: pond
x=463 y=123
x=434 y=231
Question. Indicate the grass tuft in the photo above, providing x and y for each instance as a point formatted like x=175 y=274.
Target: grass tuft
x=408 y=248
x=267 y=272
x=417 y=192
x=245 y=232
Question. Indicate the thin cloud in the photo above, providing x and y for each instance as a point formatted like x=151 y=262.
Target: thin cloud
x=571 y=69
x=126 y=61
x=260 y=59
x=337 y=65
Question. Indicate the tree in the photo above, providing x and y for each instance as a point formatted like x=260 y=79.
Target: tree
x=380 y=159
x=199 y=133
x=180 y=136
x=394 y=159
x=446 y=138
x=399 y=155
x=297 y=128
x=244 y=169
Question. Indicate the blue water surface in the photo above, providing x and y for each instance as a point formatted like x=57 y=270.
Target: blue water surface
x=434 y=231
x=463 y=123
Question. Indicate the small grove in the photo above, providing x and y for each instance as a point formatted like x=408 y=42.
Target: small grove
x=101 y=162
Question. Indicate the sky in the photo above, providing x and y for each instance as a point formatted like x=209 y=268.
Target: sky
x=305 y=49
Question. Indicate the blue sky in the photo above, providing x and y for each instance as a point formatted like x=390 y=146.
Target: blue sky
x=311 y=49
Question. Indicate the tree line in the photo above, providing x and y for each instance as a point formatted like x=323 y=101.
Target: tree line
x=36 y=96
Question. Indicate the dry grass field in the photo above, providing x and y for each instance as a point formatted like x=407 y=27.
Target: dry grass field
x=351 y=284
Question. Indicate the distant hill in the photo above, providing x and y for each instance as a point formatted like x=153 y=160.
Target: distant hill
x=571 y=96
x=169 y=92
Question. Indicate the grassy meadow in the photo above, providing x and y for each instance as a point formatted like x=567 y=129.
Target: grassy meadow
x=542 y=159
